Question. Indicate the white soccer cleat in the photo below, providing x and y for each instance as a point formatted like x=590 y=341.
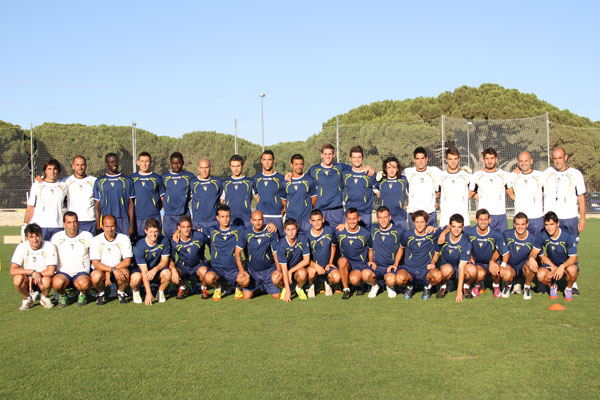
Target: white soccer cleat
x=137 y=298
x=373 y=292
x=328 y=291
x=36 y=295
x=161 y=296
x=391 y=292
x=46 y=302
x=310 y=293
x=26 y=304
x=517 y=289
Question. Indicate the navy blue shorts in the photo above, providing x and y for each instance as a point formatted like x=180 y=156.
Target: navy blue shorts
x=419 y=275
x=140 y=224
x=227 y=274
x=358 y=265
x=262 y=278
x=123 y=226
x=73 y=278
x=518 y=268
x=499 y=222
x=278 y=222
x=548 y=267
x=570 y=225
x=48 y=232
x=330 y=270
x=536 y=226
x=88 y=226
x=169 y=224
x=197 y=225
x=380 y=272
x=432 y=221
x=366 y=219
x=188 y=272
x=334 y=217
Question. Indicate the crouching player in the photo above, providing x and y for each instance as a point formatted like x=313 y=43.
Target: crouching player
x=151 y=255
x=524 y=248
x=32 y=265
x=73 y=260
x=560 y=257
x=322 y=243
x=386 y=243
x=261 y=246
x=293 y=256
x=187 y=257
x=418 y=248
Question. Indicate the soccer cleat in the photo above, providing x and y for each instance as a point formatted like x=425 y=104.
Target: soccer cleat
x=373 y=292
x=506 y=291
x=408 y=293
x=517 y=289
x=26 y=304
x=527 y=293
x=62 y=300
x=497 y=291
x=162 y=298
x=122 y=298
x=346 y=294
x=34 y=295
x=475 y=290
x=391 y=292
x=46 y=302
x=100 y=300
x=217 y=294
x=575 y=289
x=328 y=291
x=311 y=292
x=137 y=299
x=182 y=292
x=300 y=293
x=554 y=291
x=426 y=293
x=569 y=294
x=205 y=294
x=238 y=294
x=81 y=299
x=282 y=295
x=360 y=290
x=467 y=293
x=441 y=293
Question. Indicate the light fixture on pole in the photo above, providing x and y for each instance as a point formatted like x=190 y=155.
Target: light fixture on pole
x=262 y=119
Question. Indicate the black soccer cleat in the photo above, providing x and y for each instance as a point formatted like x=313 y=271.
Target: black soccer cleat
x=100 y=300
x=467 y=294
x=346 y=294
x=122 y=298
x=441 y=293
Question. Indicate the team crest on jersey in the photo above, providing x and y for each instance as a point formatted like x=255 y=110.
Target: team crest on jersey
x=266 y=183
x=204 y=187
x=52 y=191
x=112 y=184
x=480 y=244
x=259 y=240
x=382 y=238
x=422 y=180
x=450 y=251
x=326 y=172
x=453 y=181
x=518 y=247
x=143 y=183
x=72 y=246
x=553 y=247
x=351 y=241
x=525 y=181
x=491 y=180
x=33 y=259
x=80 y=187
x=295 y=187
x=188 y=249
x=419 y=244
x=235 y=186
x=175 y=181
x=153 y=254
x=355 y=180
x=390 y=185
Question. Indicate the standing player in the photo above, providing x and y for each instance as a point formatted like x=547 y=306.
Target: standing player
x=301 y=194
x=73 y=260
x=391 y=191
x=149 y=191
x=527 y=191
x=293 y=256
x=32 y=265
x=151 y=255
x=206 y=196
x=524 y=248
x=489 y=189
x=111 y=254
x=454 y=189
x=114 y=195
x=422 y=185
x=358 y=187
x=177 y=193
x=46 y=199
x=237 y=193
x=321 y=240
x=269 y=191
x=80 y=195
x=386 y=243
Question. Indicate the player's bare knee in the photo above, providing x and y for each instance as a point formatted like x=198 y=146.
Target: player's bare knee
x=390 y=279
x=343 y=263
x=334 y=277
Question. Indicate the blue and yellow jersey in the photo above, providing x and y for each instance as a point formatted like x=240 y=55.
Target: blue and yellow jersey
x=483 y=246
x=392 y=194
x=237 y=194
x=385 y=244
x=177 y=192
x=261 y=247
x=419 y=250
x=292 y=254
x=354 y=245
x=520 y=249
x=560 y=249
x=206 y=197
x=358 y=191
x=222 y=245
x=270 y=190
x=320 y=246
x=329 y=184
x=299 y=193
x=151 y=255
x=113 y=192
x=149 y=189
x=189 y=253
x=453 y=253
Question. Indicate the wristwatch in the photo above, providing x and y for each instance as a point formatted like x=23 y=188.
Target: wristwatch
x=112 y=269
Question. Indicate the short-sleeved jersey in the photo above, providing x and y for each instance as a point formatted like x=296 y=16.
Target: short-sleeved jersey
x=329 y=184
x=38 y=260
x=206 y=197
x=320 y=245
x=150 y=255
x=519 y=248
x=358 y=190
x=270 y=190
x=528 y=190
x=354 y=245
x=73 y=252
x=454 y=195
x=177 y=192
x=80 y=197
x=299 y=192
x=483 y=246
x=113 y=192
x=222 y=245
x=561 y=191
x=237 y=194
x=148 y=189
x=110 y=253
x=290 y=254
x=260 y=246
x=491 y=190
x=189 y=253
x=560 y=249
x=386 y=243
x=422 y=186
x=47 y=198
x=392 y=194
x=454 y=252
x=419 y=249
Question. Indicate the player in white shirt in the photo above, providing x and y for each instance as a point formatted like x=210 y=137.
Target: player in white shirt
x=73 y=269
x=422 y=186
x=46 y=200
x=527 y=192
x=32 y=265
x=489 y=189
x=454 y=189
x=80 y=192
x=111 y=254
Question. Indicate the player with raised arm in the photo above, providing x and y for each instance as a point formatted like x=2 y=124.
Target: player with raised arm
x=73 y=267
x=177 y=184
x=46 y=200
x=80 y=195
x=152 y=256
x=149 y=191
x=391 y=191
x=293 y=256
x=32 y=266
x=114 y=195
x=489 y=187
x=454 y=189
x=321 y=240
x=269 y=191
x=358 y=187
x=237 y=193
x=422 y=185
x=301 y=194
x=386 y=243
x=527 y=192
x=524 y=248
x=206 y=196
x=110 y=254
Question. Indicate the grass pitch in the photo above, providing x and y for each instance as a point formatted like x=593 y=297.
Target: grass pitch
x=320 y=348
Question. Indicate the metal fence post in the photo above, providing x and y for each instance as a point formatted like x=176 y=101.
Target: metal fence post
x=133 y=145
x=443 y=143
x=31 y=158
x=337 y=138
x=548 y=137
x=235 y=150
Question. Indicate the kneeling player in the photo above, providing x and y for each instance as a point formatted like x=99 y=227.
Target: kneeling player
x=321 y=240
x=151 y=254
x=293 y=256
x=524 y=248
x=386 y=243
x=187 y=257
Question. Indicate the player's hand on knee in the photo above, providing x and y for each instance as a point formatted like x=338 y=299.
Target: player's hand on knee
x=392 y=268
x=372 y=265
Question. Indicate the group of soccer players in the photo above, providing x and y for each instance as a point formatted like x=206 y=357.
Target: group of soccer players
x=152 y=230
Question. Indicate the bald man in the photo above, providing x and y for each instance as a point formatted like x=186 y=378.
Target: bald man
x=527 y=192
x=206 y=195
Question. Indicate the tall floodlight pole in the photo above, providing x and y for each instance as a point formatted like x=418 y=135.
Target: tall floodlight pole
x=469 y=125
x=235 y=141
x=133 y=145
x=31 y=158
x=262 y=119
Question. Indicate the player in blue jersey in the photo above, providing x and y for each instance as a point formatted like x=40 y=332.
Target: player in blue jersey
x=224 y=266
x=237 y=192
x=358 y=187
x=301 y=194
x=269 y=191
x=293 y=255
x=149 y=190
x=455 y=249
x=321 y=240
x=187 y=257
x=386 y=243
x=151 y=254
x=177 y=184
x=114 y=195
x=391 y=191
x=418 y=247
x=354 y=242
x=206 y=196
x=487 y=245
x=261 y=247
x=559 y=258
x=524 y=248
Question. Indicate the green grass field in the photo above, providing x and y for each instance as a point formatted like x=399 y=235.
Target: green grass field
x=320 y=348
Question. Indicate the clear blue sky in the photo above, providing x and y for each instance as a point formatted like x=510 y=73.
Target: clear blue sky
x=175 y=67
